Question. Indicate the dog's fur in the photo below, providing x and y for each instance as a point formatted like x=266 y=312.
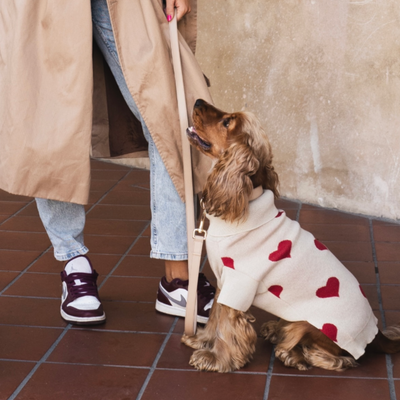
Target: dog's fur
x=243 y=158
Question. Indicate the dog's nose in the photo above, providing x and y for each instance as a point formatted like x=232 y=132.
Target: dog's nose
x=199 y=103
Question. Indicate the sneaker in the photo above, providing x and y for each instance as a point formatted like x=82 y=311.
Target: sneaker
x=172 y=297
x=80 y=301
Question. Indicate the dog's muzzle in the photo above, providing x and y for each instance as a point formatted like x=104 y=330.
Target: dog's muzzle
x=196 y=139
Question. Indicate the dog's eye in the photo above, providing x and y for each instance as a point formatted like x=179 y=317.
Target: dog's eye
x=226 y=122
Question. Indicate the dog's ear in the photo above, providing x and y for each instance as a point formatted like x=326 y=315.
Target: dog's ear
x=266 y=175
x=229 y=185
x=258 y=141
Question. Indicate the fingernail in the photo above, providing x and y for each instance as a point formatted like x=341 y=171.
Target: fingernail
x=169 y=18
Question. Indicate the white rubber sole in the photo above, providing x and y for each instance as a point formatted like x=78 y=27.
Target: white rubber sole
x=177 y=311
x=82 y=320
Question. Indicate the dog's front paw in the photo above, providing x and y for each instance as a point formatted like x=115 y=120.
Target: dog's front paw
x=268 y=331
x=206 y=360
x=193 y=341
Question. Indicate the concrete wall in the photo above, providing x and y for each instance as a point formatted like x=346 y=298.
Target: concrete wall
x=323 y=76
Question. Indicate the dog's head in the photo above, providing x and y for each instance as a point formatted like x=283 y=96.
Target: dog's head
x=243 y=159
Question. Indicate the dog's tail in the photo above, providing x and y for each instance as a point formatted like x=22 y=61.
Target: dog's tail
x=387 y=341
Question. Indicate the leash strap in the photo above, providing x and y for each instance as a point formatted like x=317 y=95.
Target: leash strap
x=194 y=246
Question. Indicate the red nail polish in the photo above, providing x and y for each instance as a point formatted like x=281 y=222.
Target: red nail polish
x=169 y=18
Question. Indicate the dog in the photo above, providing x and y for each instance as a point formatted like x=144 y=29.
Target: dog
x=260 y=257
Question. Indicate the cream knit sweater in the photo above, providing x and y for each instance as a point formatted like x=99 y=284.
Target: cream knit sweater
x=271 y=262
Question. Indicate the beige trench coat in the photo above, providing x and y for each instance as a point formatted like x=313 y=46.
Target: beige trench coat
x=58 y=107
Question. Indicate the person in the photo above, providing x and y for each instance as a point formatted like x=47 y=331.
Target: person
x=56 y=109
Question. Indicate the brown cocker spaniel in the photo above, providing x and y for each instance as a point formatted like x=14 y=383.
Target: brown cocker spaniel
x=261 y=257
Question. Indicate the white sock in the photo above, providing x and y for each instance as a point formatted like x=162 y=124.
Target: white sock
x=78 y=264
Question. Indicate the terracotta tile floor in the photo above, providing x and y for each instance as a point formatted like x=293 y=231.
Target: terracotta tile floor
x=137 y=354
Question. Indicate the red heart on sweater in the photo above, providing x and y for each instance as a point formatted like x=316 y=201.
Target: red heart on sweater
x=330 y=330
x=279 y=214
x=228 y=262
x=276 y=290
x=330 y=290
x=283 y=251
x=319 y=245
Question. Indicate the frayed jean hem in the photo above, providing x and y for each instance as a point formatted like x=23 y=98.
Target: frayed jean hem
x=71 y=254
x=169 y=257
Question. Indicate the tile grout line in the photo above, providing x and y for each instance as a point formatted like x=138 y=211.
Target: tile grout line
x=155 y=362
x=375 y=378
x=18 y=361
x=124 y=255
x=34 y=326
x=17 y=212
x=21 y=273
x=58 y=297
x=95 y=365
x=108 y=191
x=86 y=328
x=269 y=375
x=39 y=363
x=389 y=364
x=257 y=373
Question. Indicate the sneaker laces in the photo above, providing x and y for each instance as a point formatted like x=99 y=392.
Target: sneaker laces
x=86 y=287
x=204 y=288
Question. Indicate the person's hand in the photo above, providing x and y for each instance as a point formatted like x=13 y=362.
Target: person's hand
x=182 y=8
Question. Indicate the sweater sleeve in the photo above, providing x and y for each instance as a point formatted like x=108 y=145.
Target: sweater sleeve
x=238 y=289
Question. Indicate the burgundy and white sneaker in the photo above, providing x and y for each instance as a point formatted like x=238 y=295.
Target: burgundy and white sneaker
x=172 y=297
x=80 y=301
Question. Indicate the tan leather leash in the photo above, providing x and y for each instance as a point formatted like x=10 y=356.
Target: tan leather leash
x=195 y=237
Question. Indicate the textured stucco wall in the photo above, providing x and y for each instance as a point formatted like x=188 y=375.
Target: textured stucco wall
x=323 y=76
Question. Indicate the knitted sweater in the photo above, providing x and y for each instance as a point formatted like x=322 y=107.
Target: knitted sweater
x=271 y=262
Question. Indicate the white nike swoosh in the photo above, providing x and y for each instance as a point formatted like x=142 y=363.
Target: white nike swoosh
x=181 y=302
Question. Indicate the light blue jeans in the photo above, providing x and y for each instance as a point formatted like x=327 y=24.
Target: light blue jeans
x=64 y=222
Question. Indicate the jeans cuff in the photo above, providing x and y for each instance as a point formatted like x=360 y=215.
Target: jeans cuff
x=169 y=257
x=71 y=254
